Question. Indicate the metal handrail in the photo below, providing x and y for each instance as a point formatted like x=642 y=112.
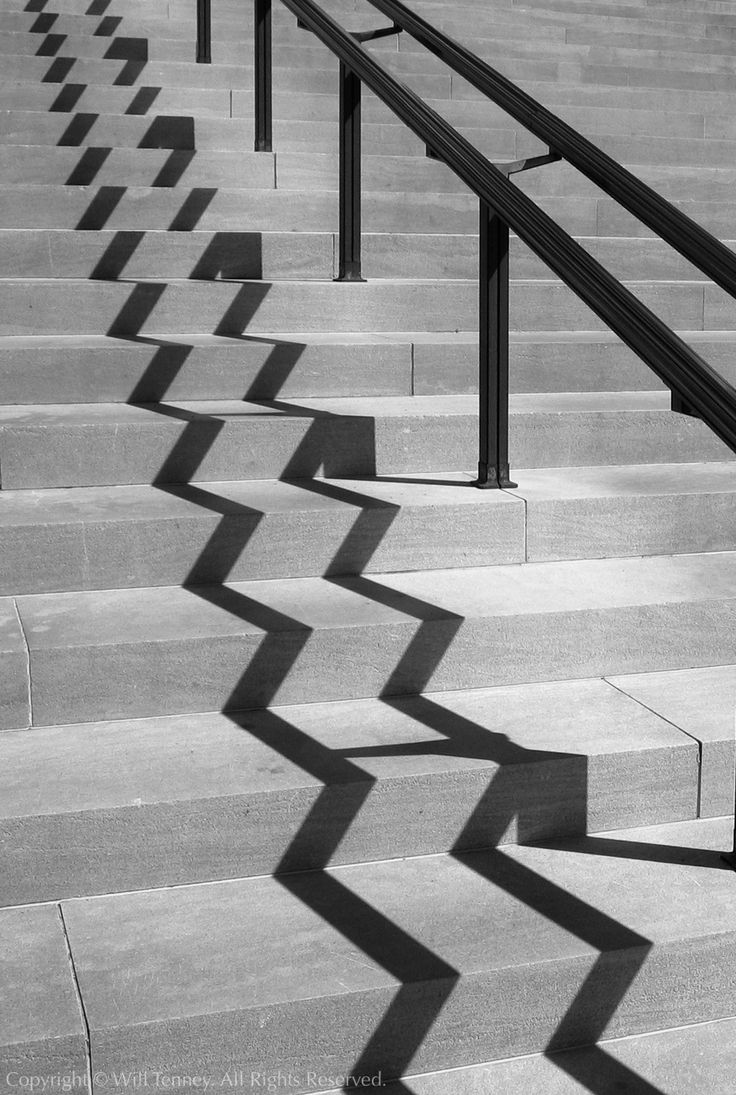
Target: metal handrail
x=696 y=387
x=683 y=234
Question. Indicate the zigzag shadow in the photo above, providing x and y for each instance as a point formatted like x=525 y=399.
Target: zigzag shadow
x=426 y=980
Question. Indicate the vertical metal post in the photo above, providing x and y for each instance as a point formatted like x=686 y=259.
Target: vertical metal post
x=493 y=379
x=263 y=76
x=730 y=857
x=204 y=32
x=349 y=267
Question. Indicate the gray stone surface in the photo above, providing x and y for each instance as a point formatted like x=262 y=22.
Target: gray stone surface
x=128 y=653
x=692 y=1058
x=508 y=764
x=14 y=683
x=91 y=538
x=702 y=702
x=178 y=442
x=258 y=307
x=93 y=369
x=637 y=510
x=492 y=950
x=42 y=1031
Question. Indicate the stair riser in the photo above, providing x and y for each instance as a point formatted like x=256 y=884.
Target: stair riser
x=386 y=139
x=712 y=10
x=274 y=256
x=226 y=22
x=170 y=451
x=40 y=165
x=552 y=366
x=230 y=31
x=211 y=209
x=615 y=527
x=626 y=39
x=46 y=558
x=257 y=369
x=645 y=76
x=90 y=683
x=289 y=73
x=269 y=370
x=122 y=553
x=503 y=1031
x=148 y=308
x=25 y=128
x=221 y=103
x=134 y=74
x=241 y=836
x=202 y=98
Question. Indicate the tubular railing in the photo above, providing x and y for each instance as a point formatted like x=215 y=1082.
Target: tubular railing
x=696 y=388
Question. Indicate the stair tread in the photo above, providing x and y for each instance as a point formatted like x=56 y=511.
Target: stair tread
x=88 y=618
x=98 y=766
x=145 y=502
x=515 y=693
x=697 y=1057
x=462 y=921
x=329 y=338
x=365 y=406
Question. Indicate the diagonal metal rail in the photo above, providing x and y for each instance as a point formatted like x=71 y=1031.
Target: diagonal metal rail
x=691 y=379
x=683 y=234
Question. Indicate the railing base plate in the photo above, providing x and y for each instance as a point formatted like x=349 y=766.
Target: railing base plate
x=493 y=479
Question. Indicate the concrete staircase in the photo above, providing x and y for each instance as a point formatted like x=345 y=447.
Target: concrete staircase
x=322 y=768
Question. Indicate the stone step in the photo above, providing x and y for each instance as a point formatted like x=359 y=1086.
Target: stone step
x=64 y=253
x=690 y=101
x=35 y=165
x=98 y=538
x=300 y=171
x=100 y=444
x=712 y=10
x=561 y=758
x=130 y=653
x=315 y=107
x=85 y=369
x=552 y=361
x=384 y=138
x=289 y=71
x=226 y=28
x=161 y=308
x=635 y=74
x=218 y=101
x=476 y=955
x=493 y=42
x=606 y=38
x=698 y=1057
x=594 y=513
x=224 y=24
x=43 y=1023
x=227 y=209
x=218 y=208
x=19 y=127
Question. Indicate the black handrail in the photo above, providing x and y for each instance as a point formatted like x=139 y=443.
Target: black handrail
x=683 y=234
x=698 y=386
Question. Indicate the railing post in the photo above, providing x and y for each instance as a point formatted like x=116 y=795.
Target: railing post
x=263 y=76
x=349 y=266
x=204 y=32
x=730 y=857
x=493 y=379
